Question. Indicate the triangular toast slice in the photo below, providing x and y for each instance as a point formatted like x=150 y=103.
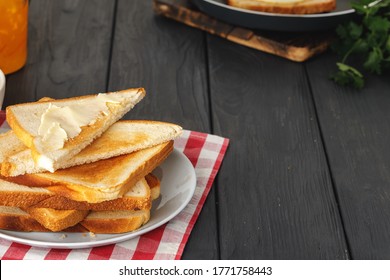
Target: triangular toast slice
x=10 y=145
x=137 y=198
x=115 y=221
x=122 y=137
x=102 y=180
x=18 y=195
x=56 y=130
x=45 y=219
x=108 y=222
x=14 y=218
x=57 y=220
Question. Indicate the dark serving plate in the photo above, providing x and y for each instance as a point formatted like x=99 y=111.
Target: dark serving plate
x=277 y=22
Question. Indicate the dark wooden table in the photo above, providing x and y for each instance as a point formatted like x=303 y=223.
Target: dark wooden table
x=307 y=173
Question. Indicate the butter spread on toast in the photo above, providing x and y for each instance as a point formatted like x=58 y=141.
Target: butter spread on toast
x=58 y=124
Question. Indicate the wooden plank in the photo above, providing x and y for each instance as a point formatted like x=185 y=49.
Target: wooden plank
x=169 y=60
x=68 y=50
x=275 y=192
x=296 y=47
x=184 y=11
x=356 y=130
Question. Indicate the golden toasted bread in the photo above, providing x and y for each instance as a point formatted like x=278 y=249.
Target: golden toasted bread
x=137 y=198
x=57 y=220
x=115 y=221
x=121 y=138
x=18 y=195
x=47 y=219
x=56 y=130
x=100 y=181
x=13 y=218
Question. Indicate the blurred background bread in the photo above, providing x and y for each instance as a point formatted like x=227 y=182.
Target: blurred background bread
x=286 y=6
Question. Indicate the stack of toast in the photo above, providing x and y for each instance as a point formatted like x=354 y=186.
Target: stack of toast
x=73 y=165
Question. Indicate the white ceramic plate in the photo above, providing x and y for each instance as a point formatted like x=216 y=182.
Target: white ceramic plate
x=2 y=88
x=277 y=22
x=178 y=182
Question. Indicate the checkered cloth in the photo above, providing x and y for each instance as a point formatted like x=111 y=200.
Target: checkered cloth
x=206 y=153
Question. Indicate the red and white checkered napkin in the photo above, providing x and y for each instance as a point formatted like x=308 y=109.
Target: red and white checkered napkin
x=206 y=152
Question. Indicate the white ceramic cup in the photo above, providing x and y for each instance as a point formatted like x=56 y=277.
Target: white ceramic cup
x=2 y=87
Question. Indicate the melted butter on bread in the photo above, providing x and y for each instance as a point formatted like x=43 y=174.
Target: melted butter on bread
x=59 y=124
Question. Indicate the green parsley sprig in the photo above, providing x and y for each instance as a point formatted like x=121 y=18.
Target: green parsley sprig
x=365 y=41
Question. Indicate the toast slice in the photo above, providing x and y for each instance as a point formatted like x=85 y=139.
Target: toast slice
x=137 y=198
x=286 y=6
x=109 y=222
x=57 y=220
x=10 y=145
x=56 y=130
x=18 y=195
x=122 y=221
x=121 y=138
x=115 y=221
x=102 y=180
x=14 y=218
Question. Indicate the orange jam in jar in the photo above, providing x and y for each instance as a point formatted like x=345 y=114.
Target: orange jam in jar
x=13 y=34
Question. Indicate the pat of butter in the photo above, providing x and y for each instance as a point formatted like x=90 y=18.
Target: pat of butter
x=46 y=163
x=55 y=136
x=59 y=124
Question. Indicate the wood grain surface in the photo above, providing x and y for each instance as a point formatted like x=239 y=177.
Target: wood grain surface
x=275 y=193
x=69 y=43
x=306 y=174
x=356 y=131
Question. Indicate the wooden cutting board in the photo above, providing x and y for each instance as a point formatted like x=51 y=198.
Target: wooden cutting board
x=293 y=46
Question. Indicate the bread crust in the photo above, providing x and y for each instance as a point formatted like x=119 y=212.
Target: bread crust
x=20 y=223
x=7 y=168
x=20 y=132
x=63 y=203
x=116 y=225
x=154 y=185
x=10 y=145
x=14 y=195
x=303 y=7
